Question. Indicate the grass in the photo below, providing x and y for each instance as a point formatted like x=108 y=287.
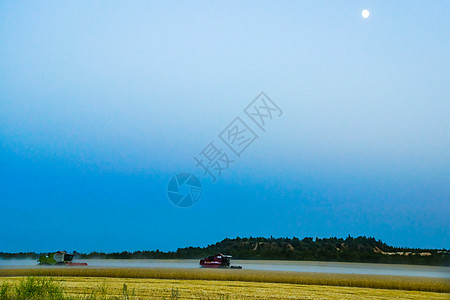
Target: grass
x=32 y=288
x=98 y=288
x=324 y=279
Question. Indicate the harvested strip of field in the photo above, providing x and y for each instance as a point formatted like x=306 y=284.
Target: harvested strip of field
x=344 y=280
x=138 y=288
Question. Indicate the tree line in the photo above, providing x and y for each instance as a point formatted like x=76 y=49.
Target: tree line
x=359 y=249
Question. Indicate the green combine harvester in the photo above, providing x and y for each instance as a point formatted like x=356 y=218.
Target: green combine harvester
x=60 y=258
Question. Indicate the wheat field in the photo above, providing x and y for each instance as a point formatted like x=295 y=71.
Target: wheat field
x=140 y=288
x=407 y=283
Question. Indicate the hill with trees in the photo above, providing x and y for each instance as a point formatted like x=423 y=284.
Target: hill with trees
x=360 y=249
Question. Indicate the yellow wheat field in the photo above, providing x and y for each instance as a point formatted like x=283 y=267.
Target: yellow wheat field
x=140 y=288
x=326 y=279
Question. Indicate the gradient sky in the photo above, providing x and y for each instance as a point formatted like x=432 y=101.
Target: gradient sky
x=102 y=103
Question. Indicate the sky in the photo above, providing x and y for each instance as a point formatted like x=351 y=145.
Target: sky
x=102 y=103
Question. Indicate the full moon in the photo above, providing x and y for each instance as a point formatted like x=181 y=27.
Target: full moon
x=365 y=13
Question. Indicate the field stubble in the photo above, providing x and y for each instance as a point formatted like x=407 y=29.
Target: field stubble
x=441 y=285
x=144 y=283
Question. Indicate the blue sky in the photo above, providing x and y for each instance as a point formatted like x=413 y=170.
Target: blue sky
x=102 y=103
